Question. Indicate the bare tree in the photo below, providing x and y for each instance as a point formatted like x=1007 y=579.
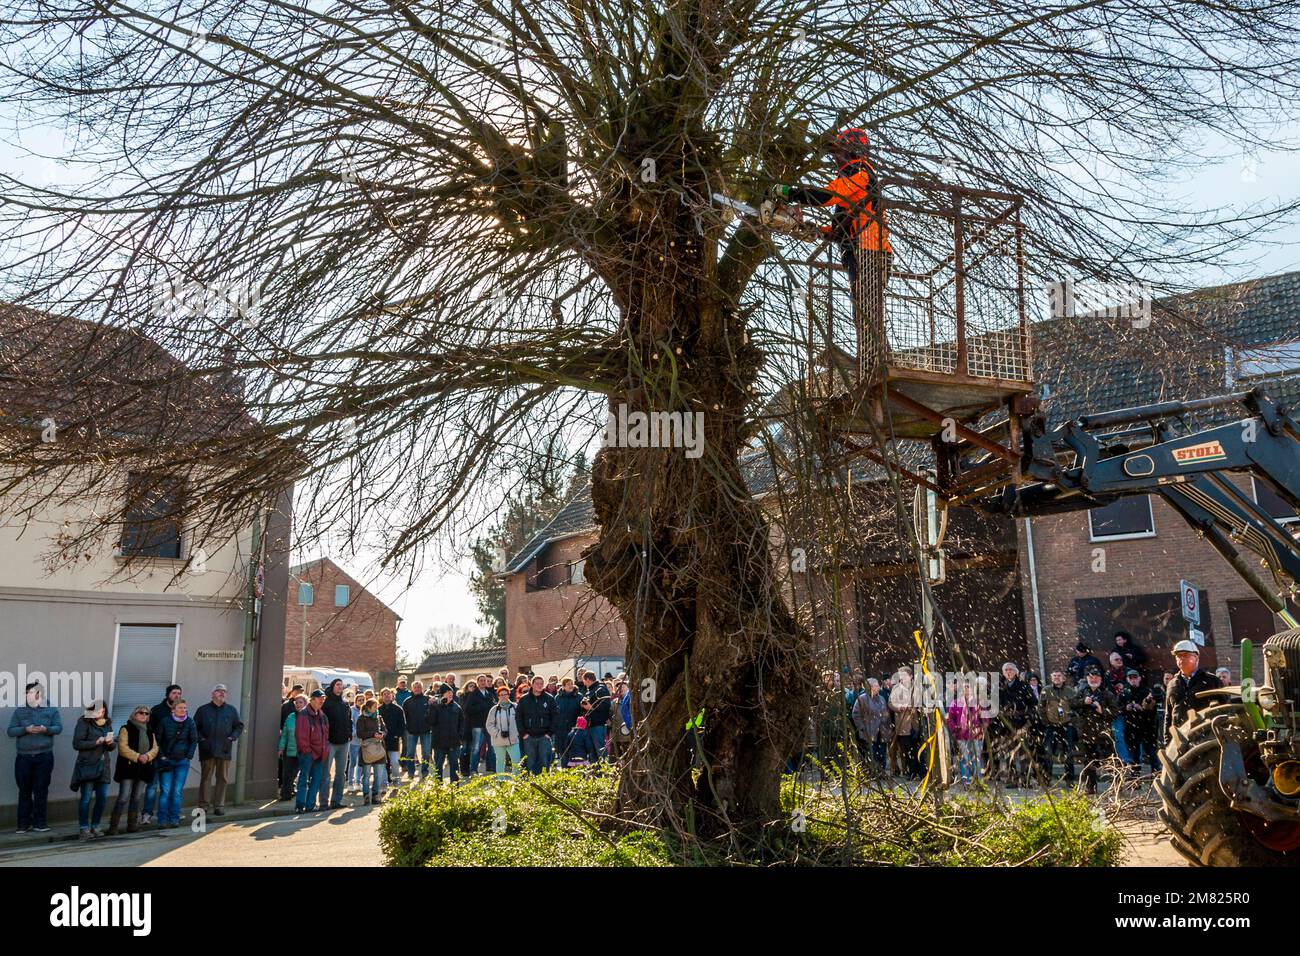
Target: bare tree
x=433 y=239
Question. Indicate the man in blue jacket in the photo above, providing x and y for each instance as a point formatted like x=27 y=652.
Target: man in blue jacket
x=595 y=704
x=219 y=727
x=416 y=712
x=568 y=708
x=535 y=714
x=34 y=727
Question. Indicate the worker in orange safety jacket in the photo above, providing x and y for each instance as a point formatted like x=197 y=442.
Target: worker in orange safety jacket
x=857 y=225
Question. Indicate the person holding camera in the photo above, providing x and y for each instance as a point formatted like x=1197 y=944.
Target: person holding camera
x=447 y=725
x=503 y=731
x=1138 y=708
x=1095 y=711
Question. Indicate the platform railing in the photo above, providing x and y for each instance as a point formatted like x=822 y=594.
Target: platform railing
x=953 y=303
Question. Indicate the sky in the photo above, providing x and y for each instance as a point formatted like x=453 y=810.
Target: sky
x=440 y=598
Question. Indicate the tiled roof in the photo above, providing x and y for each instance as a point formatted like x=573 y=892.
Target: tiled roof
x=456 y=660
x=575 y=517
x=105 y=376
x=1090 y=365
x=1086 y=365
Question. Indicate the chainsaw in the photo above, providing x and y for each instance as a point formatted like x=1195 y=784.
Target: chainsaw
x=770 y=215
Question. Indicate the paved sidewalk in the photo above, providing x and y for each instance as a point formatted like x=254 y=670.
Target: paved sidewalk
x=67 y=830
x=346 y=837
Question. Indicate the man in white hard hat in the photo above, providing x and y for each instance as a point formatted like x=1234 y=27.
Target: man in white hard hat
x=1180 y=694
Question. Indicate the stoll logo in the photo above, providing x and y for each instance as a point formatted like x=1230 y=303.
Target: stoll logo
x=626 y=429
x=75 y=909
x=1194 y=454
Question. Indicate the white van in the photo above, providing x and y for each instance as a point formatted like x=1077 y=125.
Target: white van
x=314 y=677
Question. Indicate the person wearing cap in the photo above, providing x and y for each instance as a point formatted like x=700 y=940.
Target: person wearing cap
x=219 y=727
x=447 y=725
x=1056 y=706
x=503 y=730
x=34 y=727
x=1180 y=693
x=579 y=749
x=858 y=224
x=401 y=693
x=1009 y=731
x=157 y=714
x=1077 y=669
x=1138 y=708
x=1096 y=710
x=312 y=734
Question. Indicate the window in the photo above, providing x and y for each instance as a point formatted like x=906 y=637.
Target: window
x=1155 y=621
x=577 y=572
x=1262 y=361
x=548 y=570
x=1250 y=619
x=142 y=668
x=1272 y=502
x=342 y=594
x=306 y=594
x=1124 y=518
x=153 y=526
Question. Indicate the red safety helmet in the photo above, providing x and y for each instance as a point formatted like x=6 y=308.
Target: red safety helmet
x=853 y=141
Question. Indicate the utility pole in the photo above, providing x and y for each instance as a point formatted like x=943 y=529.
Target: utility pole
x=250 y=644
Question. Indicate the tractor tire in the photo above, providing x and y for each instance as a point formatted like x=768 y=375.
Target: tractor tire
x=1202 y=824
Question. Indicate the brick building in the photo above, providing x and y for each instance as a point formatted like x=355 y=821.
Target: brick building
x=1249 y=335
x=342 y=624
x=554 y=622
x=1025 y=590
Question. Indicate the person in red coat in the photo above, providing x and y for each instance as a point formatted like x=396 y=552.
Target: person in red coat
x=312 y=732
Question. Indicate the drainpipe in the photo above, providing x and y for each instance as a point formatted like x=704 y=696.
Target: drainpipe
x=1033 y=595
x=246 y=679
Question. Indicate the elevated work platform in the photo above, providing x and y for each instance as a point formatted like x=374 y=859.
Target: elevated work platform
x=934 y=331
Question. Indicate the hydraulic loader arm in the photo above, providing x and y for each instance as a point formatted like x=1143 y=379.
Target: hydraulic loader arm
x=1096 y=459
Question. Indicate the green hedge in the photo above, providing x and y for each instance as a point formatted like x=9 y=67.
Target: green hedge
x=563 y=819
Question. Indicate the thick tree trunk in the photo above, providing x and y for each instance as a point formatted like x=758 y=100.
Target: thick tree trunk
x=685 y=557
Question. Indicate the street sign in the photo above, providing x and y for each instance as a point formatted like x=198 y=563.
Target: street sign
x=1197 y=637
x=1191 y=601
